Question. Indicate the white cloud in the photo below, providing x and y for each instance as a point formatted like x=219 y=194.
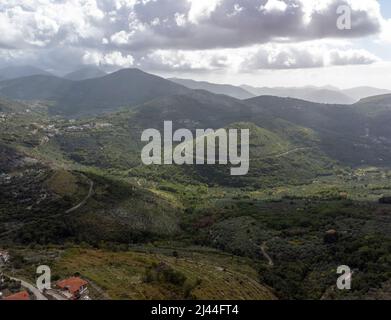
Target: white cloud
x=350 y=57
x=114 y=58
x=180 y=19
x=386 y=31
x=25 y=24
x=196 y=60
x=120 y=38
x=283 y=57
x=260 y=57
x=201 y=9
x=274 y=5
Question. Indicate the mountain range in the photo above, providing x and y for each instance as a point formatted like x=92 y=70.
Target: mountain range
x=57 y=89
x=229 y=90
x=14 y=72
x=89 y=72
x=91 y=96
x=148 y=100
x=71 y=173
x=326 y=94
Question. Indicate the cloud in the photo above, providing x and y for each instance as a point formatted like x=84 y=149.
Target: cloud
x=182 y=24
x=274 y=5
x=286 y=57
x=182 y=34
x=386 y=31
x=114 y=58
x=232 y=23
x=250 y=59
x=45 y=23
x=305 y=56
x=200 y=10
x=350 y=57
x=190 y=60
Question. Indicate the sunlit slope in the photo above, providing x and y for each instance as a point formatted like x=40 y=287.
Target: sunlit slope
x=132 y=275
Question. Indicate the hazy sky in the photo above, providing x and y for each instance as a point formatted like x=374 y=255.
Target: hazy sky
x=257 y=42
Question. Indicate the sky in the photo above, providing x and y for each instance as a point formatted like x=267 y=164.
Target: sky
x=386 y=8
x=254 y=42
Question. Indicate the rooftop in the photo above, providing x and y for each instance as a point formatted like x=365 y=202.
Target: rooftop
x=73 y=284
x=23 y=295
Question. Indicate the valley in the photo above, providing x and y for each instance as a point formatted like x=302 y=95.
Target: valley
x=76 y=196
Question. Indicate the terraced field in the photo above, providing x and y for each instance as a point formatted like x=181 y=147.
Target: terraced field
x=137 y=275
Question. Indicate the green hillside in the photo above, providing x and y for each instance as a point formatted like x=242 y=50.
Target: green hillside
x=90 y=97
x=345 y=133
x=313 y=168
x=228 y=90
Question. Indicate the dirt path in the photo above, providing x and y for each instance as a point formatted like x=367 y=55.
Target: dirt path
x=263 y=248
x=291 y=151
x=282 y=154
x=82 y=203
x=90 y=193
x=265 y=254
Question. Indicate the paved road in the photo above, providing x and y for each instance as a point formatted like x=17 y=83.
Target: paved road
x=38 y=295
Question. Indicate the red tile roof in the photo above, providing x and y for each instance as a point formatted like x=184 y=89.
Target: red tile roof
x=73 y=285
x=23 y=295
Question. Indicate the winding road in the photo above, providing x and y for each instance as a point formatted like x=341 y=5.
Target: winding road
x=90 y=193
x=38 y=295
x=291 y=151
x=282 y=154
x=276 y=156
x=263 y=248
x=82 y=203
x=265 y=254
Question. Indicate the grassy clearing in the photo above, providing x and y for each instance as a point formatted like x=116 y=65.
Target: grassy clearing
x=63 y=183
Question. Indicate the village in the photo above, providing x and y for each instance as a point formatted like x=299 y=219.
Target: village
x=11 y=288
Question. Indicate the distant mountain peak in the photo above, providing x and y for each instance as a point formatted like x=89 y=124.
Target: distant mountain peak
x=385 y=98
x=365 y=92
x=226 y=89
x=95 y=96
x=326 y=94
x=14 y=72
x=84 y=73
